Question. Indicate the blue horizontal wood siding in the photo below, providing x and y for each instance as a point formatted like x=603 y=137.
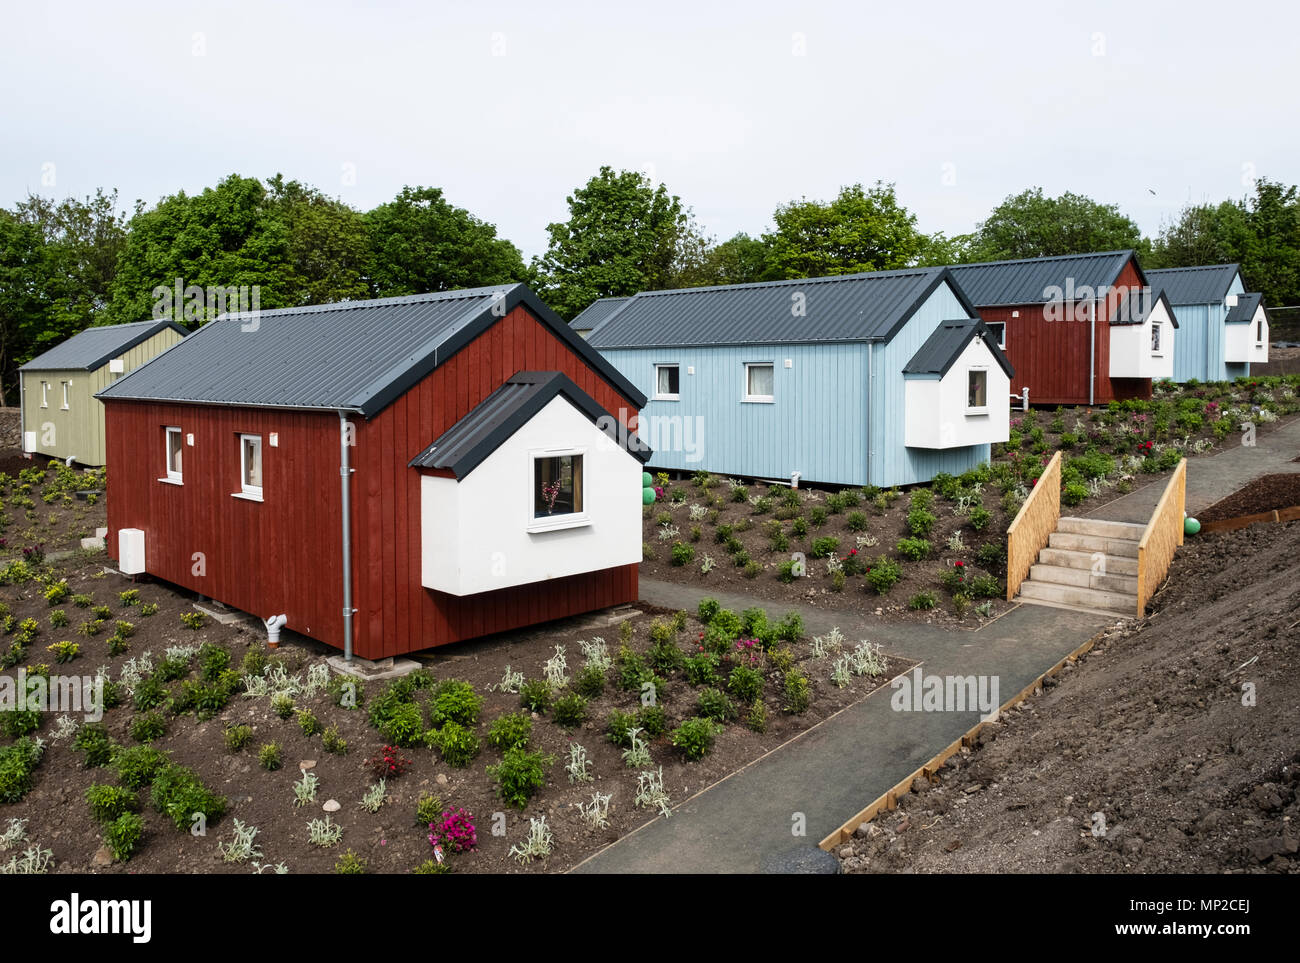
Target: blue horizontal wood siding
x=815 y=425
x=892 y=462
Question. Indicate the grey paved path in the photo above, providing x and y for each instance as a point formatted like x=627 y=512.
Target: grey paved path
x=743 y=824
x=1212 y=477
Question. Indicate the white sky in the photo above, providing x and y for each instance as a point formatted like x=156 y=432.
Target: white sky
x=509 y=106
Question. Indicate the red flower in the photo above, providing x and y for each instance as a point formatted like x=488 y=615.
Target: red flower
x=853 y=551
x=960 y=562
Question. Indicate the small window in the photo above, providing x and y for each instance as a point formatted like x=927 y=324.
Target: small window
x=760 y=381
x=667 y=381
x=45 y=394
x=174 y=443
x=66 y=386
x=999 y=329
x=1259 y=331
x=1155 y=337
x=557 y=485
x=977 y=390
x=250 y=465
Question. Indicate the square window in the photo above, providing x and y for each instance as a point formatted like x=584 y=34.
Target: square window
x=760 y=381
x=999 y=329
x=667 y=381
x=173 y=454
x=557 y=485
x=250 y=465
x=977 y=389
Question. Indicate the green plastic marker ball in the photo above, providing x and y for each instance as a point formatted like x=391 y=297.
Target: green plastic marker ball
x=1191 y=526
x=647 y=496
x=646 y=480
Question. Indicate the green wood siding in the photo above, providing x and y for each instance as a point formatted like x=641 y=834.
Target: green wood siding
x=78 y=431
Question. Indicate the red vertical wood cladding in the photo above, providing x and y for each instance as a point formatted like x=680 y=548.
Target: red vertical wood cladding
x=1051 y=356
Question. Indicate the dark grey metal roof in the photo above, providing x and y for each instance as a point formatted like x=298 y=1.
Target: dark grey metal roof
x=1244 y=310
x=1027 y=280
x=465 y=445
x=1137 y=304
x=948 y=341
x=354 y=355
x=95 y=347
x=1206 y=284
x=847 y=307
x=597 y=312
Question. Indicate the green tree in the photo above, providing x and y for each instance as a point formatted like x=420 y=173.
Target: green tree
x=861 y=230
x=1272 y=261
x=623 y=236
x=27 y=294
x=327 y=254
x=419 y=243
x=1030 y=224
x=739 y=260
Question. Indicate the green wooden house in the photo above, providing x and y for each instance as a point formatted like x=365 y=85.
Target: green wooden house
x=61 y=416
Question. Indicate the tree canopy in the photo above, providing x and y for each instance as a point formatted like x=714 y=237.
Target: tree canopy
x=1030 y=224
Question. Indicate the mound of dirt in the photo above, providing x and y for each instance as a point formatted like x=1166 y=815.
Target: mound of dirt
x=1170 y=747
x=1262 y=495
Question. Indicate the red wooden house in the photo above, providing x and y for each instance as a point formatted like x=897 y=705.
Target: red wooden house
x=389 y=475
x=1078 y=329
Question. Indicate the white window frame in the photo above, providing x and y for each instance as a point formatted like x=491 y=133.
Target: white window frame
x=760 y=399
x=1002 y=342
x=250 y=492
x=552 y=523
x=980 y=409
x=1259 y=333
x=66 y=386
x=169 y=475
x=45 y=394
x=669 y=396
x=1158 y=348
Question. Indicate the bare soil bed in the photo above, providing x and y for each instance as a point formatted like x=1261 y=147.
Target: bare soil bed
x=1262 y=495
x=1171 y=747
x=391 y=840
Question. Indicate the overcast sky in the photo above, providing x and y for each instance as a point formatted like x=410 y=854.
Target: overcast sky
x=736 y=107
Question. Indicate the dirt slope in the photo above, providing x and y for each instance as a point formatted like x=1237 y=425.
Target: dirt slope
x=1149 y=730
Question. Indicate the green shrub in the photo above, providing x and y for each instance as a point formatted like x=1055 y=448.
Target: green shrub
x=590 y=681
x=714 y=704
x=702 y=669
x=238 y=737
x=756 y=718
x=653 y=719
x=269 y=757
x=631 y=669
x=922 y=600
x=282 y=705
x=454 y=701
x=789 y=629
x=708 y=608
x=745 y=683
x=824 y=547
x=663 y=655
x=570 y=711
x=20 y=722
x=727 y=623
x=617 y=727
x=535 y=695
x=122 y=836
x=856 y=521
x=179 y=794
x=913 y=549
x=92 y=740
x=148 y=727
x=457 y=744
x=1074 y=493
x=798 y=693
x=799 y=528
x=682 y=554
x=427 y=809
x=17 y=763
x=694 y=737
x=985 y=587
x=817 y=516
x=350 y=864
x=519 y=775
x=510 y=731
x=333 y=742
x=58 y=619
x=193 y=620
x=308 y=723
x=137 y=765
x=883 y=574
x=920 y=521
x=109 y=802
x=752 y=569
x=979 y=518
x=404 y=726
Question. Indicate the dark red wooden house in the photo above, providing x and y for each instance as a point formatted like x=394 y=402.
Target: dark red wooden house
x=1078 y=329
x=479 y=445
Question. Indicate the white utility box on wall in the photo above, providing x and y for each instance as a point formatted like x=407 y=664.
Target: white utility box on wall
x=130 y=551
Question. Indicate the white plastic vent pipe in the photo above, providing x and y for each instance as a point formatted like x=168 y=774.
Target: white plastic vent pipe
x=273 y=626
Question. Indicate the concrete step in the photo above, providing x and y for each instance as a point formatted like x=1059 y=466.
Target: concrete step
x=1115 y=564
x=1126 y=547
x=1078 y=595
x=1099 y=526
x=1064 y=575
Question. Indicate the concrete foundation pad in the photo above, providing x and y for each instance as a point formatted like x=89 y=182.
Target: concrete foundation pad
x=101 y=533
x=223 y=615
x=92 y=544
x=369 y=671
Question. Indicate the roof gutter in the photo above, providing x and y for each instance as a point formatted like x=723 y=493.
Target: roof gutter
x=345 y=481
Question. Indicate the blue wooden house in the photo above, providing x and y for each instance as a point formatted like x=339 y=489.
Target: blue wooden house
x=1221 y=327
x=885 y=378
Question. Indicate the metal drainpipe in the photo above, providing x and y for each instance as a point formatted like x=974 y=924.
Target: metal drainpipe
x=345 y=480
x=1092 y=353
x=22 y=416
x=871 y=380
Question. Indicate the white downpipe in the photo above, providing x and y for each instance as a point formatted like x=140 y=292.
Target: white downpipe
x=273 y=626
x=1092 y=353
x=871 y=413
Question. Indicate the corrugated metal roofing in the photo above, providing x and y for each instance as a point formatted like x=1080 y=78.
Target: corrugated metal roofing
x=1135 y=305
x=597 y=312
x=1207 y=284
x=1027 y=280
x=94 y=347
x=847 y=307
x=355 y=355
x=467 y=443
x=1244 y=310
x=948 y=341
